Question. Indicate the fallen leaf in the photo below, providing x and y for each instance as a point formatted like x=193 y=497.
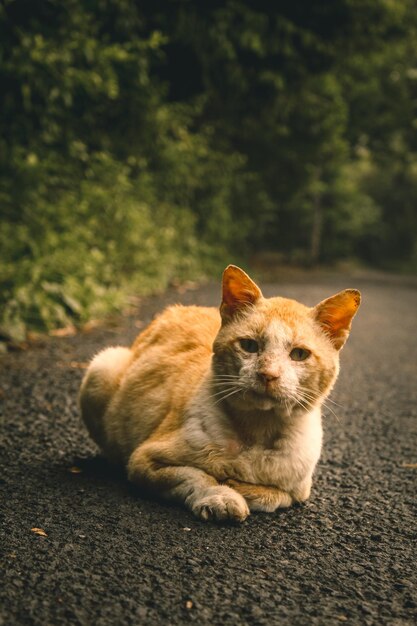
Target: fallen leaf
x=39 y=531
x=73 y=364
x=410 y=465
x=75 y=470
x=78 y=365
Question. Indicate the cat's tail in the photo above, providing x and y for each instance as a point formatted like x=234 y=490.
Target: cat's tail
x=99 y=385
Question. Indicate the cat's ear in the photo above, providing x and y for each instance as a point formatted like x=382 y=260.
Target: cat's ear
x=239 y=291
x=335 y=315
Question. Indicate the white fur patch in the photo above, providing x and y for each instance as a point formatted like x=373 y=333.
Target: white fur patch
x=279 y=335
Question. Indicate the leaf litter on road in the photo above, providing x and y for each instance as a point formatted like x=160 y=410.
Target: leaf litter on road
x=39 y=531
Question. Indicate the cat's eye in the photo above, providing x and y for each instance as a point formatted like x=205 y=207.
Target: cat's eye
x=249 y=345
x=299 y=354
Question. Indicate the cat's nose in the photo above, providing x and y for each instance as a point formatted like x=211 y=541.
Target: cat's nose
x=267 y=376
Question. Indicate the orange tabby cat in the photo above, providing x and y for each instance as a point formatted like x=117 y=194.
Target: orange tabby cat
x=221 y=411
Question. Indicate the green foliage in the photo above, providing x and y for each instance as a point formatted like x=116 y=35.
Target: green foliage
x=142 y=145
x=75 y=256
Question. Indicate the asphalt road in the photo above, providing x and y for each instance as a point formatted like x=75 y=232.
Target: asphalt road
x=111 y=557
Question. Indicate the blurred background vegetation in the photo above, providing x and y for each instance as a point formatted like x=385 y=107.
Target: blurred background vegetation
x=147 y=142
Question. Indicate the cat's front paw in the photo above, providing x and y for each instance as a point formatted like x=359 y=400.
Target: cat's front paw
x=302 y=491
x=260 y=497
x=221 y=504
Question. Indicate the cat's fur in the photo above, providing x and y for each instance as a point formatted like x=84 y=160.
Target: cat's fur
x=200 y=418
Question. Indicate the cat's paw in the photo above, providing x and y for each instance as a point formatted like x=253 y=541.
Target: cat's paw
x=260 y=497
x=221 y=504
x=302 y=491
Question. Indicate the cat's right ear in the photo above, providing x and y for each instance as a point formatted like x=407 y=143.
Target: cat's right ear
x=239 y=291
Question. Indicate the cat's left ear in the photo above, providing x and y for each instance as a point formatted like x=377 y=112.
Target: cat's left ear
x=239 y=291
x=335 y=315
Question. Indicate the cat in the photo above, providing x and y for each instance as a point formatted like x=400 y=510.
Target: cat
x=221 y=410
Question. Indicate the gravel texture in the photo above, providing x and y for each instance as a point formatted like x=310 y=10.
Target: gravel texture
x=111 y=557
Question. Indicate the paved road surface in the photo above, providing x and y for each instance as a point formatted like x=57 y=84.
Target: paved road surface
x=112 y=558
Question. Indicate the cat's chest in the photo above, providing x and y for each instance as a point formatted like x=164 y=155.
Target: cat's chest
x=287 y=461
x=285 y=465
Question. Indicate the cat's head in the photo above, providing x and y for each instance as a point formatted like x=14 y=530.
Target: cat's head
x=276 y=352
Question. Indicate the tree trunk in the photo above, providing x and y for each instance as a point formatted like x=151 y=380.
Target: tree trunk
x=316 y=230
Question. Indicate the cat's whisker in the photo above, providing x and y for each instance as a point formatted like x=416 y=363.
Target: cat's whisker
x=306 y=390
x=223 y=382
x=331 y=411
x=218 y=383
x=308 y=397
x=223 y=391
x=308 y=402
x=336 y=403
x=303 y=394
x=313 y=400
x=227 y=396
x=301 y=404
x=304 y=404
x=323 y=403
x=226 y=376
